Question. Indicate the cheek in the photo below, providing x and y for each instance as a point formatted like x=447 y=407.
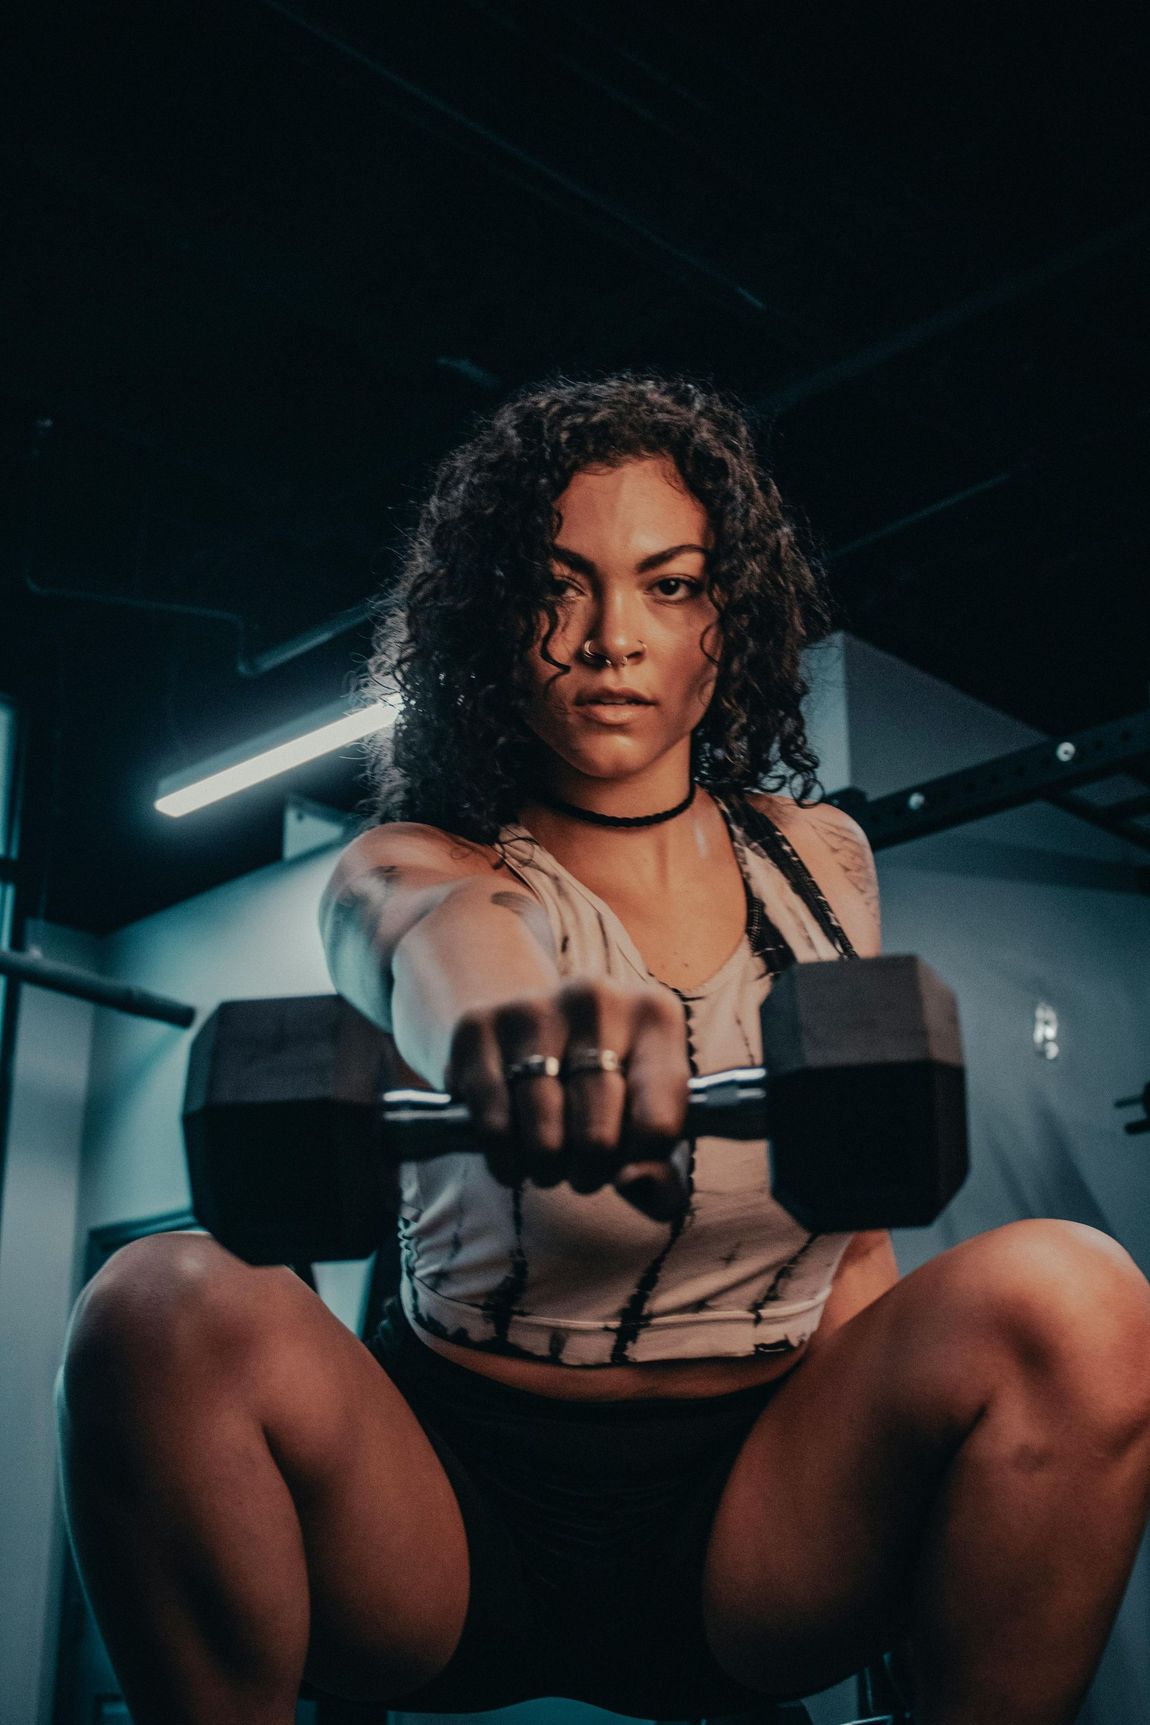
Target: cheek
x=700 y=654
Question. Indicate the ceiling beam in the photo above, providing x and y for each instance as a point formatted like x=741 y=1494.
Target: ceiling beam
x=945 y=321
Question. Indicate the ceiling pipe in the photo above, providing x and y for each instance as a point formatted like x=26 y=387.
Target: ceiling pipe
x=952 y=317
x=573 y=191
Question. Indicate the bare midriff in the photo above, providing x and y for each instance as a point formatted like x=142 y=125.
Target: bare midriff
x=639 y=1382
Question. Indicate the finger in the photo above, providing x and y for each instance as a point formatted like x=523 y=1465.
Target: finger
x=658 y=1075
x=593 y=1124
x=535 y=1101
x=657 y=1097
x=474 y=1076
x=598 y=1019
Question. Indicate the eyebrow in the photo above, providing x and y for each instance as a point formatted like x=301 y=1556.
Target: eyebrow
x=584 y=565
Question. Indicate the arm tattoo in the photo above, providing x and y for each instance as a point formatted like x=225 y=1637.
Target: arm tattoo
x=853 y=855
x=340 y=911
x=376 y=885
x=533 y=915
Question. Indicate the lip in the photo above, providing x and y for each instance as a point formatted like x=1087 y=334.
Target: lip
x=609 y=691
x=618 y=714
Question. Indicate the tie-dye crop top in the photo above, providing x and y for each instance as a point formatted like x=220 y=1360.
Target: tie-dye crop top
x=585 y=1279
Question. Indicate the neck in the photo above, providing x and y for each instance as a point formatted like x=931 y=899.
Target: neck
x=596 y=818
x=645 y=856
x=660 y=785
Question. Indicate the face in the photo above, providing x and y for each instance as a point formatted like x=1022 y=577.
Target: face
x=629 y=568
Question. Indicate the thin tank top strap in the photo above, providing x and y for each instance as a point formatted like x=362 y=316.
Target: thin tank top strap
x=762 y=829
x=765 y=940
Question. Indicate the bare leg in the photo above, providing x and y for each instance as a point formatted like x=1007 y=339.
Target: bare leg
x=967 y=1459
x=249 y=1497
x=1030 y=1546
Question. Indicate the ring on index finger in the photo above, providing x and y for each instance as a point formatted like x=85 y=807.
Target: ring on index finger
x=592 y=1060
x=534 y=1066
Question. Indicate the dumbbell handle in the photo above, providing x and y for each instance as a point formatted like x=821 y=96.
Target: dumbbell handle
x=420 y=1124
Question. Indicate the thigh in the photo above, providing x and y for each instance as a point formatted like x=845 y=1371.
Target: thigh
x=816 y=1538
x=206 y=1374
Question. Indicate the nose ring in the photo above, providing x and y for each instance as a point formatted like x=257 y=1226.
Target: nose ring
x=590 y=654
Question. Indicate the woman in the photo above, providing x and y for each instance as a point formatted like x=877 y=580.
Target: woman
x=631 y=1434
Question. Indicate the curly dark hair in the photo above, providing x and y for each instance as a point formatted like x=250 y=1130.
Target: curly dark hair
x=453 y=631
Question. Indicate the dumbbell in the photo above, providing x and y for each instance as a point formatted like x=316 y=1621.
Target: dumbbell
x=293 y=1148
x=293 y=1151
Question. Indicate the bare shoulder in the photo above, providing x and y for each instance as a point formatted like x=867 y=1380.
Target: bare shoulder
x=385 y=881
x=404 y=845
x=395 y=862
x=838 y=854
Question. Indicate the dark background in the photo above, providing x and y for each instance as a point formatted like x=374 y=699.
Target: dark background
x=265 y=261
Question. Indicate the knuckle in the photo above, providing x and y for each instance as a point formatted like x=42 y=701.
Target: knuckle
x=585 y=1003
x=583 y=991
x=598 y=1143
x=521 y=1018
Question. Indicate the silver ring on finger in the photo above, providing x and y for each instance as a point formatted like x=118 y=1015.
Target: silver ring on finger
x=532 y=1066
x=591 y=1060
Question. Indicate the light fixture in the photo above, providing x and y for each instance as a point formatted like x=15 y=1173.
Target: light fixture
x=304 y=739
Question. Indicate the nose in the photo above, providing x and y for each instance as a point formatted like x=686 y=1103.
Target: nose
x=614 y=628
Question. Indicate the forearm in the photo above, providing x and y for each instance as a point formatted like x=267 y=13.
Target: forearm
x=482 y=944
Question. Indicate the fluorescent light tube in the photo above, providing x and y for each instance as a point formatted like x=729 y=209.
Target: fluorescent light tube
x=276 y=752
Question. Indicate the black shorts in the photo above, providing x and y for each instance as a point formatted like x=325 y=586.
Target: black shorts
x=587 y=1527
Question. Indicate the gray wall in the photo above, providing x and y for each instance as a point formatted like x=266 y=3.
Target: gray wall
x=1028 y=906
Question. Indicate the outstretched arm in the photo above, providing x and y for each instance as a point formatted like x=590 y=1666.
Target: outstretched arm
x=418 y=929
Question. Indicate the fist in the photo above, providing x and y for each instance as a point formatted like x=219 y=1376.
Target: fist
x=590 y=1128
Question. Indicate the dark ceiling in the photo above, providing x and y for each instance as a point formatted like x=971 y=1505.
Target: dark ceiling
x=265 y=260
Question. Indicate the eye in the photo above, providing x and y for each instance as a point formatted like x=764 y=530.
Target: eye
x=681 y=581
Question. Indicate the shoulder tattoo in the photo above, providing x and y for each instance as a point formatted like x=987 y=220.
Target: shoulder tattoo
x=342 y=910
x=849 y=847
x=531 y=913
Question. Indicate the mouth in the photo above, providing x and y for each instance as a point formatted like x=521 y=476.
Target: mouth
x=613 y=697
x=612 y=712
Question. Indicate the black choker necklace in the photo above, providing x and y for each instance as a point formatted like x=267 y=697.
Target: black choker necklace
x=615 y=820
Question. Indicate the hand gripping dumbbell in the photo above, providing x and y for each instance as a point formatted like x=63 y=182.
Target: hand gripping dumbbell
x=293 y=1148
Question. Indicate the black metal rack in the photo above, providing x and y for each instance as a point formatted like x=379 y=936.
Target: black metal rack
x=1052 y=771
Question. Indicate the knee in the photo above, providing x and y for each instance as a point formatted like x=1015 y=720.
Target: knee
x=1071 y=1303
x=158 y=1304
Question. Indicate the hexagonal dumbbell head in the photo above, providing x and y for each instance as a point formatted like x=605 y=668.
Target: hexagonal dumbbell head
x=866 y=1093
x=281 y=1130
